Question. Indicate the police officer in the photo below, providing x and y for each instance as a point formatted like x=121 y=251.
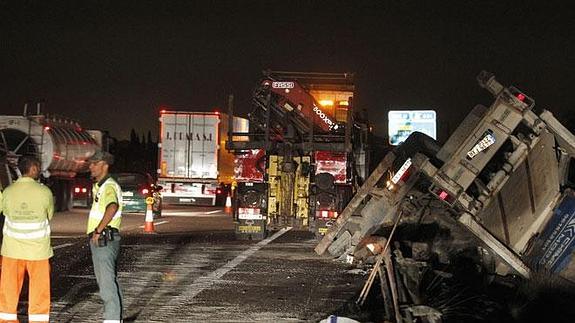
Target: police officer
x=28 y=207
x=103 y=230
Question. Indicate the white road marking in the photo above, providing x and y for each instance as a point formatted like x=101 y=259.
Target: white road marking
x=205 y=282
x=69 y=237
x=82 y=276
x=194 y=213
x=156 y=223
x=69 y=306
x=63 y=246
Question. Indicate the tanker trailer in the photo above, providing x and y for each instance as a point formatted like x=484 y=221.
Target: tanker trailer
x=62 y=147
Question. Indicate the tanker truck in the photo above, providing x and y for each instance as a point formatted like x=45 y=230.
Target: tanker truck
x=61 y=145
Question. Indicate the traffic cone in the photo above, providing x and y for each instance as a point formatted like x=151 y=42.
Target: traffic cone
x=228 y=207
x=149 y=226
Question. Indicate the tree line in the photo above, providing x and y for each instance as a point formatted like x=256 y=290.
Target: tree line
x=138 y=154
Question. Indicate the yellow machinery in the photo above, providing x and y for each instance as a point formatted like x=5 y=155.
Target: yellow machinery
x=288 y=191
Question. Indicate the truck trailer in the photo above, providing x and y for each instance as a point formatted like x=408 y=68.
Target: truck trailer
x=492 y=207
x=193 y=168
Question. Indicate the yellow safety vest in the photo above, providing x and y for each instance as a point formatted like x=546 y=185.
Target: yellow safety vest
x=28 y=206
x=105 y=193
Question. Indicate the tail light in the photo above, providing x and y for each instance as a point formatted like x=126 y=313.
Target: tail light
x=442 y=194
x=521 y=97
x=208 y=190
x=219 y=191
x=326 y=214
x=145 y=191
x=79 y=189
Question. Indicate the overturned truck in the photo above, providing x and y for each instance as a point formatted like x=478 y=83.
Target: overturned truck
x=497 y=194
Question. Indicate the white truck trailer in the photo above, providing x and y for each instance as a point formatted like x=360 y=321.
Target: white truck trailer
x=193 y=165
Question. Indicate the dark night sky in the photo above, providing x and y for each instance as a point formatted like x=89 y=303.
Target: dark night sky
x=111 y=64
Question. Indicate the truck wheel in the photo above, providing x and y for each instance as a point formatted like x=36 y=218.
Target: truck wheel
x=63 y=195
x=69 y=191
x=58 y=196
x=89 y=199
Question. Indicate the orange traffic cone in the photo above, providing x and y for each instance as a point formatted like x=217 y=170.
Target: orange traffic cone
x=228 y=207
x=149 y=226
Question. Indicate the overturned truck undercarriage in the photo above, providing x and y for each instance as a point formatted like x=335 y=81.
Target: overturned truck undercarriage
x=473 y=230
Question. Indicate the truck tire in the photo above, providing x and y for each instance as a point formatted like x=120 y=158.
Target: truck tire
x=69 y=191
x=89 y=199
x=57 y=193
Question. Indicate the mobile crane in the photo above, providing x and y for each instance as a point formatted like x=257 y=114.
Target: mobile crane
x=304 y=156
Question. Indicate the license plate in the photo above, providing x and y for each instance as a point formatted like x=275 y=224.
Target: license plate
x=487 y=140
x=401 y=171
x=249 y=214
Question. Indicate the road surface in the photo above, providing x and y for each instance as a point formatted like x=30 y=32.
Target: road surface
x=193 y=270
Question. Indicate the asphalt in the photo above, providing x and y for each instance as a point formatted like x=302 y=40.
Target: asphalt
x=192 y=269
x=174 y=219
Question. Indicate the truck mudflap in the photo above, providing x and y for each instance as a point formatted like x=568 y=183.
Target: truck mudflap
x=250 y=211
x=552 y=251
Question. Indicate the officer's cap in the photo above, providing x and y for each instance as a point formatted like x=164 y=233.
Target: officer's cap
x=102 y=155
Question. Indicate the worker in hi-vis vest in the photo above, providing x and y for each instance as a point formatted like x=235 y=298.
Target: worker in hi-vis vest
x=103 y=230
x=28 y=207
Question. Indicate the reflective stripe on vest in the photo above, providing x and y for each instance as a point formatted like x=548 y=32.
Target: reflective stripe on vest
x=38 y=317
x=95 y=212
x=26 y=230
x=8 y=316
